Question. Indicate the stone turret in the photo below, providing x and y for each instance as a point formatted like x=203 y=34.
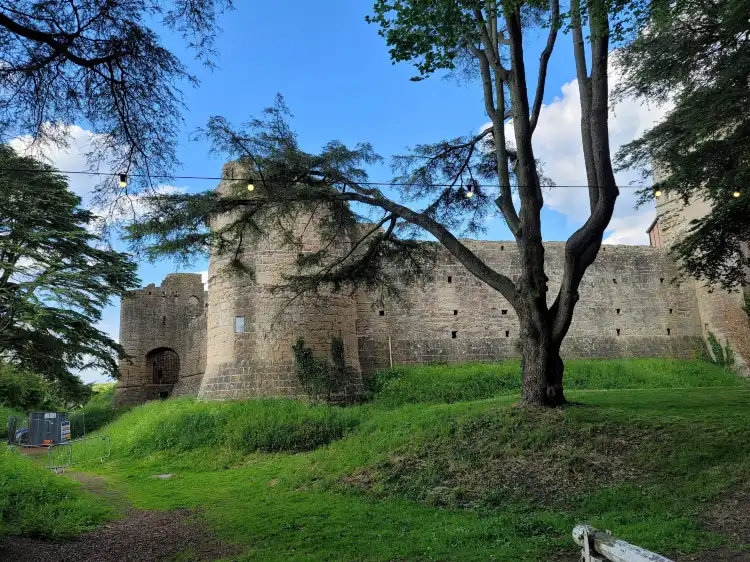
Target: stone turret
x=161 y=332
x=251 y=330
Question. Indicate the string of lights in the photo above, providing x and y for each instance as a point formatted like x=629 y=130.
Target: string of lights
x=250 y=181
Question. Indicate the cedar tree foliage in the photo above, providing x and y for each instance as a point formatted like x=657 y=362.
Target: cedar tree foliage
x=55 y=276
x=697 y=52
x=430 y=194
x=99 y=63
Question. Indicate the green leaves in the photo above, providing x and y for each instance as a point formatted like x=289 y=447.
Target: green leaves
x=697 y=53
x=55 y=275
x=429 y=33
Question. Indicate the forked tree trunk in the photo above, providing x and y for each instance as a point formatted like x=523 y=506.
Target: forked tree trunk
x=541 y=363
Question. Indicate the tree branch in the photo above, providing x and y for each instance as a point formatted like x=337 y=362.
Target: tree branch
x=543 y=61
x=457 y=249
x=61 y=48
x=583 y=246
x=492 y=49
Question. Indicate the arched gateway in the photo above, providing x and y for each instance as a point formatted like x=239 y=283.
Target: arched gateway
x=163 y=368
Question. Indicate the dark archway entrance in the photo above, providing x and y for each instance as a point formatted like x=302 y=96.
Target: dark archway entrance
x=163 y=370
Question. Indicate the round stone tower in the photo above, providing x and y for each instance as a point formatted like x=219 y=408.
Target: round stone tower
x=251 y=329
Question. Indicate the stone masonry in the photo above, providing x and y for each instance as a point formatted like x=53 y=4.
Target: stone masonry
x=235 y=341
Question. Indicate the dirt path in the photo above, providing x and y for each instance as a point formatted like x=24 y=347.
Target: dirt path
x=139 y=536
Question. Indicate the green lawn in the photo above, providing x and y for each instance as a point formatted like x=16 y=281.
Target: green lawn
x=442 y=466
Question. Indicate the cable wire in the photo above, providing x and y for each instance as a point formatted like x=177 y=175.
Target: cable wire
x=252 y=179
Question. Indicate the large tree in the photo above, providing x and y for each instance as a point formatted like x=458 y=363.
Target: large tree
x=101 y=64
x=55 y=276
x=441 y=189
x=697 y=54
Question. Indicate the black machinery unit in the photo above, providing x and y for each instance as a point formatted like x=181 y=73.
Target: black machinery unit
x=48 y=428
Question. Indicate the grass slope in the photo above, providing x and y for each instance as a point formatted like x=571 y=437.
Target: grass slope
x=442 y=466
x=33 y=501
x=475 y=381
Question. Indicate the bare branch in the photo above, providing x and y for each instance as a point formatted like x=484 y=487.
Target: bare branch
x=490 y=47
x=543 y=61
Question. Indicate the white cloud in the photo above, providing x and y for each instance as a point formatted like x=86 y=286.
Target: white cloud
x=630 y=229
x=72 y=158
x=557 y=142
x=66 y=158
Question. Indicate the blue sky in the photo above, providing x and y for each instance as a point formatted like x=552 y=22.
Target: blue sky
x=338 y=81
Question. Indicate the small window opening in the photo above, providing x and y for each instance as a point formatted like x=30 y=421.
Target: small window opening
x=614 y=281
x=382 y=313
x=239 y=324
x=502 y=248
x=670 y=311
x=503 y=312
x=450 y=279
x=507 y=333
x=454 y=334
x=149 y=292
x=617 y=310
x=618 y=331
x=669 y=332
x=661 y=279
x=455 y=313
x=163 y=395
x=163 y=320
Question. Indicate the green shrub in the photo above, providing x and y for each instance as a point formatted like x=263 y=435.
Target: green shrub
x=723 y=356
x=97 y=412
x=25 y=391
x=34 y=501
x=5 y=413
x=321 y=378
x=272 y=425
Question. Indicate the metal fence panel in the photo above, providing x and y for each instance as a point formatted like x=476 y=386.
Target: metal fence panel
x=78 y=451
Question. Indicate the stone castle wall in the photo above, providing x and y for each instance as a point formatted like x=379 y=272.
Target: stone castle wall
x=629 y=307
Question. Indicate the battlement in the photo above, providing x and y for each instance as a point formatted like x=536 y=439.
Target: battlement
x=173 y=285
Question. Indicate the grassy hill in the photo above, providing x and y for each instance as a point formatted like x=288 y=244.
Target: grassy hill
x=442 y=466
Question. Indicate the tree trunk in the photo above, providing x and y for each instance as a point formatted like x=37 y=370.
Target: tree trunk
x=541 y=363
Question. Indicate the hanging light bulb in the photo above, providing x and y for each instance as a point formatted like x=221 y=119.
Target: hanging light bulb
x=469 y=193
x=736 y=193
x=250 y=185
x=657 y=193
x=123 y=180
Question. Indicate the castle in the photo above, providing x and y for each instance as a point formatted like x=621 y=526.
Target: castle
x=235 y=340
